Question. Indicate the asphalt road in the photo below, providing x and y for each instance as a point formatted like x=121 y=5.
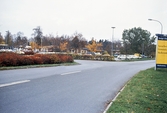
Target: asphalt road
x=84 y=88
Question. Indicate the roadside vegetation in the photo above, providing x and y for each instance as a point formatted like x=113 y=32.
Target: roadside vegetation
x=141 y=59
x=134 y=40
x=145 y=93
x=13 y=59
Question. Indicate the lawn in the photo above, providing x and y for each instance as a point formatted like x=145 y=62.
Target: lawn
x=145 y=93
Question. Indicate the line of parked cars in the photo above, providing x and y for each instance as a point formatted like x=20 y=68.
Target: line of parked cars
x=129 y=57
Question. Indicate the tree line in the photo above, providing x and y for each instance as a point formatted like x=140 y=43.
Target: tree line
x=134 y=40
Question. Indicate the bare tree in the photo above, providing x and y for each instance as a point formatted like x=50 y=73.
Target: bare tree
x=9 y=38
x=20 y=40
x=1 y=39
x=78 y=41
x=38 y=34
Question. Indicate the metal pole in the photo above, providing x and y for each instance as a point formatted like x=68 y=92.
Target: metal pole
x=41 y=43
x=159 y=23
x=157 y=39
x=112 y=41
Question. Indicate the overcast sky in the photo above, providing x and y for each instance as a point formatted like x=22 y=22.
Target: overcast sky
x=92 y=18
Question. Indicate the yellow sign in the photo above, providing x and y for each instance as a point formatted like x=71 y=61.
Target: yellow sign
x=161 y=58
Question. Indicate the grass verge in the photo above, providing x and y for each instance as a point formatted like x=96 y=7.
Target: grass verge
x=145 y=93
x=37 y=66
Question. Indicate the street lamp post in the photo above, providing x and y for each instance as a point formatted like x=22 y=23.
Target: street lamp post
x=112 y=52
x=41 y=43
x=143 y=47
x=158 y=22
x=157 y=39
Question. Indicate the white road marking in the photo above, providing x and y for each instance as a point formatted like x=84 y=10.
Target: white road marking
x=14 y=83
x=70 y=72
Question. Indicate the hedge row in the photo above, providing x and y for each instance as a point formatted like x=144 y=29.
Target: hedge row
x=13 y=59
x=91 y=57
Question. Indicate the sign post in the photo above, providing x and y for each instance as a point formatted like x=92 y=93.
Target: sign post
x=161 y=51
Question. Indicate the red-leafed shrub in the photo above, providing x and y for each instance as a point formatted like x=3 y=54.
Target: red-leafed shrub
x=65 y=58
x=21 y=60
x=55 y=59
x=27 y=60
x=70 y=58
x=13 y=59
x=45 y=58
x=37 y=60
x=9 y=59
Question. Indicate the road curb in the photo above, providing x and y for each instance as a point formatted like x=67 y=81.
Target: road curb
x=109 y=105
